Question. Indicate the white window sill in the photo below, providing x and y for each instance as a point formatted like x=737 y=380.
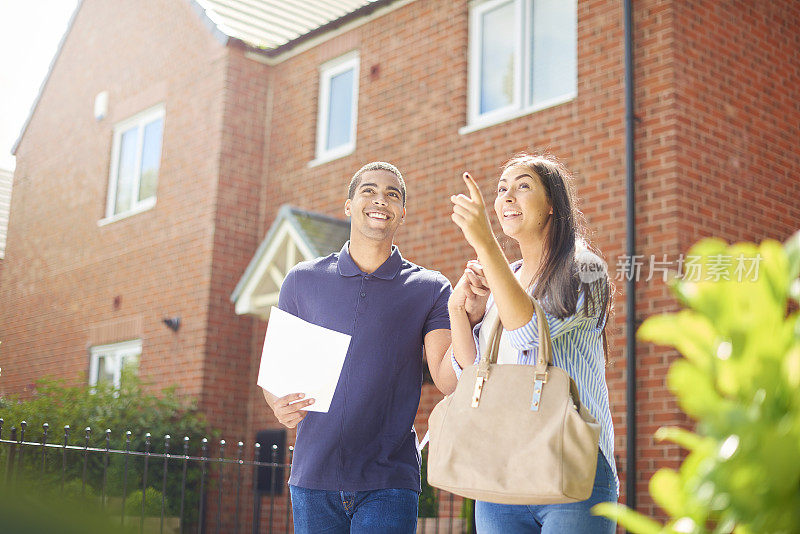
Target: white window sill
x=332 y=155
x=480 y=124
x=142 y=206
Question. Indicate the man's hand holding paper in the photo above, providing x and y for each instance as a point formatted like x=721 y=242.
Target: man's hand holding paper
x=289 y=409
x=299 y=356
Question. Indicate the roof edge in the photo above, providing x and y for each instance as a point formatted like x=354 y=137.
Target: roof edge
x=362 y=11
x=273 y=54
x=316 y=215
x=199 y=9
x=202 y=12
x=46 y=78
x=295 y=212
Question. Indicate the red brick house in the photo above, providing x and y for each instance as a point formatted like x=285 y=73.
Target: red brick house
x=151 y=174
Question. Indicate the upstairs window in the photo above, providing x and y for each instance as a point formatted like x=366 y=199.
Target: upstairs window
x=135 y=161
x=523 y=57
x=338 y=108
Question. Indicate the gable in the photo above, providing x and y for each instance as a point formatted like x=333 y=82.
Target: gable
x=295 y=236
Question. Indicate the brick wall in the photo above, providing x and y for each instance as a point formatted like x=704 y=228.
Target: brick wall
x=657 y=214
x=236 y=222
x=739 y=119
x=229 y=372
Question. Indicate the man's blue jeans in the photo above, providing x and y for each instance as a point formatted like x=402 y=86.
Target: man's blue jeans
x=389 y=511
x=571 y=518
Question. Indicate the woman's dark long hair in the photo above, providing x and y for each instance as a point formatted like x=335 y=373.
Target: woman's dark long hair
x=558 y=282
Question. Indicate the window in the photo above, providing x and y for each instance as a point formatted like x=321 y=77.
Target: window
x=338 y=108
x=109 y=363
x=135 y=160
x=523 y=57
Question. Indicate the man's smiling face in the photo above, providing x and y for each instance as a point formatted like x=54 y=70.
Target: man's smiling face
x=376 y=209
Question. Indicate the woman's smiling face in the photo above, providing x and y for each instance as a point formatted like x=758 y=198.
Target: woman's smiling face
x=522 y=206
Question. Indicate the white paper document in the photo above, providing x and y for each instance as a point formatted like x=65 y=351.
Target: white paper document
x=301 y=357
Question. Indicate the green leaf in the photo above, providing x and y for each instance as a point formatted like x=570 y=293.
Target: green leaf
x=708 y=247
x=668 y=492
x=684 y=438
x=792 y=249
x=791 y=367
x=694 y=389
x=775 y=268
x=692 y=334
x=631 y=520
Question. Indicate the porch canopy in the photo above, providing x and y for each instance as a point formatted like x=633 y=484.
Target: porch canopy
x=295 y=236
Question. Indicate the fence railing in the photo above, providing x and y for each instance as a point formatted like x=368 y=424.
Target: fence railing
x=193 y=490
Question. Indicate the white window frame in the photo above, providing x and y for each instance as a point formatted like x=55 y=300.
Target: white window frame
x=327 y=71
x=140 y=120
x=120 y=351
x=523 y=65
x=475 y=27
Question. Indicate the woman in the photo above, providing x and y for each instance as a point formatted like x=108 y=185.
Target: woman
x=535 y=207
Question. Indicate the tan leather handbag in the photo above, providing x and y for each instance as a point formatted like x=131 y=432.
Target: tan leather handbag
x=514 y=434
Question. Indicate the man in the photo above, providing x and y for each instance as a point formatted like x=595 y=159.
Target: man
x=356 y=467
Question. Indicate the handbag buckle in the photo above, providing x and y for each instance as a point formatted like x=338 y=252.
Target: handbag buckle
x=539 y=380
x=476 y=394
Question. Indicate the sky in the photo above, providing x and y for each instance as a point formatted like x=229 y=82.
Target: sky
x=30 y=32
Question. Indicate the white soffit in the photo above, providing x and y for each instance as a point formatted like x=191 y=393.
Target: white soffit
x=272 y=23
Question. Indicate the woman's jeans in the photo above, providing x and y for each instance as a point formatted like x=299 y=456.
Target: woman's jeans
x=570 y=518
x=383 y=511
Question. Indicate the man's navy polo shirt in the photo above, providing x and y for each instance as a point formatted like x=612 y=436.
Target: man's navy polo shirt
x=366 y=440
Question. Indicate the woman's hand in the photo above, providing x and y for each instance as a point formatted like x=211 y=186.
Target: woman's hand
x=471 y=293
x=469 y=213
x=513 y=303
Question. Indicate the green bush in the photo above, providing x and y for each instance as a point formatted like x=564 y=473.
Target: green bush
x=152 y=503
x=130 y=408
x=740 y=380
x=76 y=489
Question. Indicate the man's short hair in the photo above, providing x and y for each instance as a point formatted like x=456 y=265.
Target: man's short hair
x=376 y=166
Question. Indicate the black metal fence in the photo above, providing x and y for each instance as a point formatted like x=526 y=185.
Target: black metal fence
x=177 y=488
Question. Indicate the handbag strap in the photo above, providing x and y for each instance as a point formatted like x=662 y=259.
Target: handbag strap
x=543 y=359
x=545 y=352
x=544 y=343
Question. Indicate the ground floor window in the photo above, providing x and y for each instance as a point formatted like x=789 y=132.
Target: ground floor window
x=109 y=363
